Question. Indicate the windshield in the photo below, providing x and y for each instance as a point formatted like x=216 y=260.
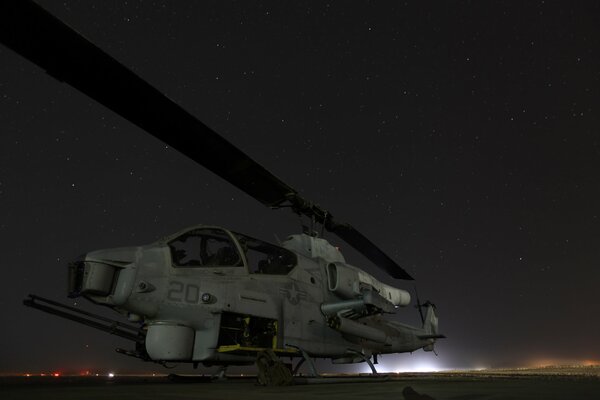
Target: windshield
x=266 y=258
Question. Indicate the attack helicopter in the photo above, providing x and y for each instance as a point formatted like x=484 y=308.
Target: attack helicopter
x=208 y=295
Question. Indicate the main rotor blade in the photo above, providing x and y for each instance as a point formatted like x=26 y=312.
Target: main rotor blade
x=357 y=240
x=37 y=35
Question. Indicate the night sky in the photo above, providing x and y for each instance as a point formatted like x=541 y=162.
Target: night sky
x=461 y=137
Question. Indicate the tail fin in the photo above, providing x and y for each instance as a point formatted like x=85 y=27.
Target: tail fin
x=430 y=325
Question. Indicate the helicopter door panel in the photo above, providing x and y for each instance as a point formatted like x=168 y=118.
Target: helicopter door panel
x=293 y=299
x=206 y=338
x=292 y=322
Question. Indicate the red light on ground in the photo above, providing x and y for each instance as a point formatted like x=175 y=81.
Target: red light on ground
x=56 y=374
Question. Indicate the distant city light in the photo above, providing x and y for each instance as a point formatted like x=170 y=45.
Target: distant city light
x=552 y=362
x=111 y=374
x=591 y=363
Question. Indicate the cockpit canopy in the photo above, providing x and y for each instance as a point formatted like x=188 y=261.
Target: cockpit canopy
x=216 y=247
x=205 y=247
x=266 y=258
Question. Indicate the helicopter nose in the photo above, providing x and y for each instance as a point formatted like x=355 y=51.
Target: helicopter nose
x=90 y=277
x=97 y=275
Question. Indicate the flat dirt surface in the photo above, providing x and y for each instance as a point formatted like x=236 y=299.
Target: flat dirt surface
x=456 y=386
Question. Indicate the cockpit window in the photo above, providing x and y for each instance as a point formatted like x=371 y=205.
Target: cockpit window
x=266 y=258
x=205 y=247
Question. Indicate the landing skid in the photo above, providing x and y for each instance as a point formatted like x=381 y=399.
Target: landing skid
x=189 y=378
x=273 y=372
x=219 y=376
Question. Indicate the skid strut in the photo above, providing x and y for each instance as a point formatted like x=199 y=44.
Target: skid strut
x=305 y=357
x=366 y=359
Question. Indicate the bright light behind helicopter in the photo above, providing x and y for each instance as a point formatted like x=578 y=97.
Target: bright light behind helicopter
x=414 y=363
x=420 y=366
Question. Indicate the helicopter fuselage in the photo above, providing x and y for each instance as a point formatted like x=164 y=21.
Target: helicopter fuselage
x=209 y=295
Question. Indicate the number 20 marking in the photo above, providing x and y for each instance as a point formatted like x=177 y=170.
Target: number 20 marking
x=181 y=292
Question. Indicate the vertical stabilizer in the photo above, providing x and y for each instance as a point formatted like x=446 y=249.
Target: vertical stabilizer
x=430 y=328
x=430 y=325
